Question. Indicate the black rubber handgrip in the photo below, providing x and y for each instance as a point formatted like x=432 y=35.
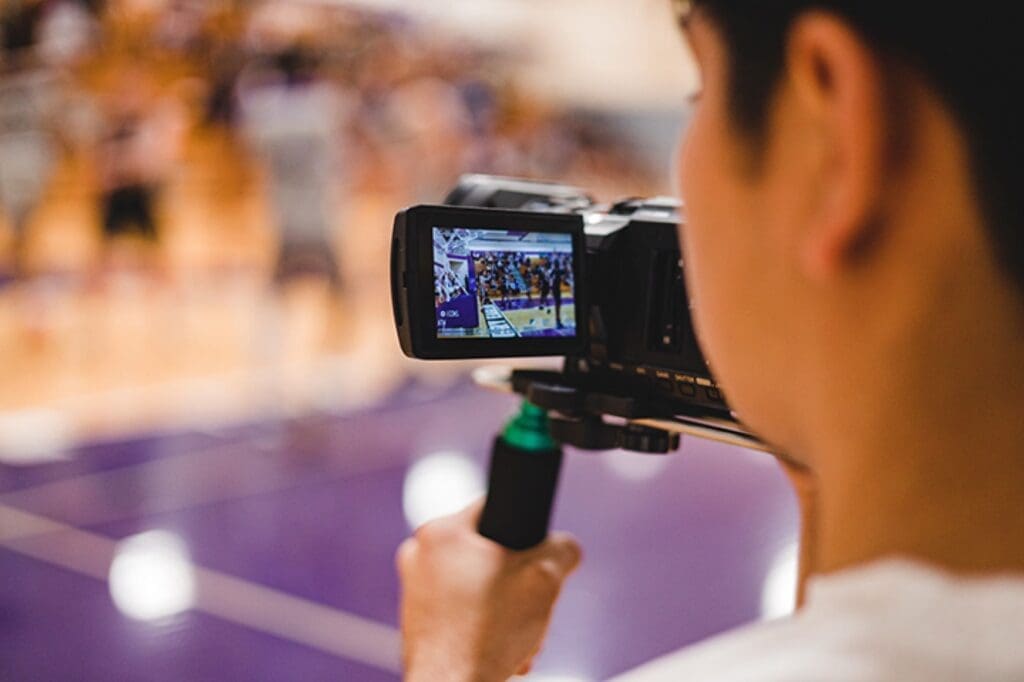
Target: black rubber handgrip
x=520 y=495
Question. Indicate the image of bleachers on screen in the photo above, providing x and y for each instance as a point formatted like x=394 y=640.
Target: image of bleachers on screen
x=503 y=284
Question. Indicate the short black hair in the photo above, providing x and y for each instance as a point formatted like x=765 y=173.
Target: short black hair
x=970 y=56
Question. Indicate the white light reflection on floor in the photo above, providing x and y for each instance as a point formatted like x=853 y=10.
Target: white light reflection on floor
x=778 y=594
x=151 y=577
x=440 y=484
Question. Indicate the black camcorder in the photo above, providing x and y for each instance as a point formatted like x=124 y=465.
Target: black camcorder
x=511 y=268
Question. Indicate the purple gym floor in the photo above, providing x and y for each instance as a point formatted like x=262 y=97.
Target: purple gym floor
x=295 y=523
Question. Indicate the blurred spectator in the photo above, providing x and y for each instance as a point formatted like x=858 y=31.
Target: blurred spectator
x=67 y=32
x=19 y=23
x=28 y=104
x=292 y=116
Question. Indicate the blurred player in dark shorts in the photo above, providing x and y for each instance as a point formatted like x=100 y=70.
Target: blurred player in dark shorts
x=137 y=149
x=127 y=202
x=557 y=277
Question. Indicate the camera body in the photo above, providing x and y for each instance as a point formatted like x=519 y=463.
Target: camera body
x=633 y=337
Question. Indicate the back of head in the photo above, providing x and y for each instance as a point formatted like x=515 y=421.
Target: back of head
x=969 y=55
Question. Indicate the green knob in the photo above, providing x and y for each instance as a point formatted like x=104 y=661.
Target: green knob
x=529 y=431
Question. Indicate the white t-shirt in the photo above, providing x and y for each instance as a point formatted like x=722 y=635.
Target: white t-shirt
x=892 y=620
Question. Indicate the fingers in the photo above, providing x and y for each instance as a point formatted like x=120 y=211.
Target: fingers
x=560 y=553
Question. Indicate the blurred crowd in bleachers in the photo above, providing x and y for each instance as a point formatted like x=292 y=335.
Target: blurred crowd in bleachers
x=146 y=119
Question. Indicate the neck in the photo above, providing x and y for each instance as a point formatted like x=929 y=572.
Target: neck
x=929 y=464
x=957 y=508
x=935 y=475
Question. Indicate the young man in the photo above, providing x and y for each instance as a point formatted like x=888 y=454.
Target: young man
x=855 y=255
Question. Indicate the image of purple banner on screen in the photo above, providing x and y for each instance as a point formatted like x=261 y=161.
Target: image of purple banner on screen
x=458 y=313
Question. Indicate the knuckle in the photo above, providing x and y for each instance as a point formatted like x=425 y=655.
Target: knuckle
x=404 y=555
x=438 y=532
x=543 y=578
x=566 y=547
x=430 y=533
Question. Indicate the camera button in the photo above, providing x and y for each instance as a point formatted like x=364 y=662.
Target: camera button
x=687 y=388
x=714 y=394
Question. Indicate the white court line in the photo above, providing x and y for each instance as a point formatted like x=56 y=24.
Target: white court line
x=232 y=599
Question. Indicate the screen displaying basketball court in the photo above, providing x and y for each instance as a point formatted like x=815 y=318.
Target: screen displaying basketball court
x=503 y=284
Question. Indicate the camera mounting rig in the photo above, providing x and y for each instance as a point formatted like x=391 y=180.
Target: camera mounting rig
x=598 y=420
x=526 y=458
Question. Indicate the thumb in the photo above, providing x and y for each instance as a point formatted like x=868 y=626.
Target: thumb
x=561 y=551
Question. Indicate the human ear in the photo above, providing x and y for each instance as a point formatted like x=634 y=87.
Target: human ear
x=838 y=84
